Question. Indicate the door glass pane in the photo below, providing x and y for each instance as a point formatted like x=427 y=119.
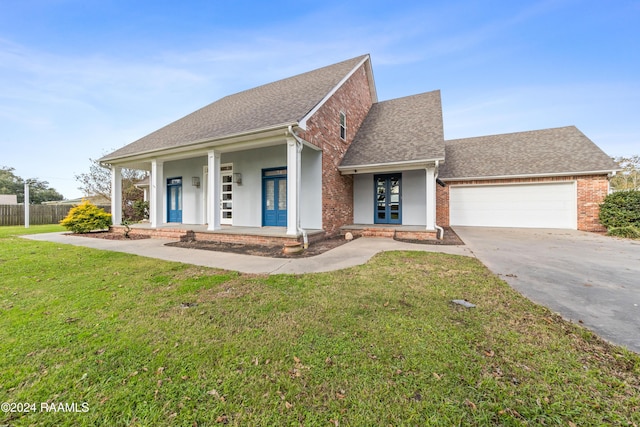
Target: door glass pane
x=282 y=194
x=394 y=185
x=179 y=197
x=269 y=195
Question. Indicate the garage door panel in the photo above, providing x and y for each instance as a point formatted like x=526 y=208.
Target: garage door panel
x=524 y=205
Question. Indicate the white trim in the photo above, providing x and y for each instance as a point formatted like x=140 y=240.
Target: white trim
x=227 y=143
x=156 y=199
x=116 y=196
x=303 y=122
x=342 y=126
x=213 y=187
x=430 y=187
x=293 y=189
x=541 y=175
x=392 y=166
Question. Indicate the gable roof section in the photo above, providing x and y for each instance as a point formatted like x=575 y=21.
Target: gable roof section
x=281 y=103
x=399 y=131
x=557 y=151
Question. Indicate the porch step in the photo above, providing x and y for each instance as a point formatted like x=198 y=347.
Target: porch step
x=379 y=232
x=403 y=233
x=161 y=233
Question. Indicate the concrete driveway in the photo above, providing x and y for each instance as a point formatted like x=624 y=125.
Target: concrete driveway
x=585 y=277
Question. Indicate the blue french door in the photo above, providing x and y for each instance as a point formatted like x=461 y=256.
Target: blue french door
x=174 y=200
x=274 y=197
x=388 y=203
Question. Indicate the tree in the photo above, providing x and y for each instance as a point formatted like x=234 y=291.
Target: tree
x=39 y=191
x=98 y=183
x=629 y=177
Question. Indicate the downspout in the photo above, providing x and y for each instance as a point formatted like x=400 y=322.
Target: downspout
x=440 y=234
x=305 y=238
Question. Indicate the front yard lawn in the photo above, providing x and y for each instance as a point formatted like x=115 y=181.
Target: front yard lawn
x=133 y=341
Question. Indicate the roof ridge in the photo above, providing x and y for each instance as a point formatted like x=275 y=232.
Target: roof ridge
x=512 y=133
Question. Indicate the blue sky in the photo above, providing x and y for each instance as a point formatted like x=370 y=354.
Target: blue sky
x=79 y=78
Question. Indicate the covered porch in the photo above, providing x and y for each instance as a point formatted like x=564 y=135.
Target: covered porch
x=250 y=185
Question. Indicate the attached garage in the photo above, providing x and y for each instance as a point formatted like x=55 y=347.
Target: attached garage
x=537 y=205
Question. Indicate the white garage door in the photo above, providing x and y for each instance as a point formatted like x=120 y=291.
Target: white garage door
x=549 y=205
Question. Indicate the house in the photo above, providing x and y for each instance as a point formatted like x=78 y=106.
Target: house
x=95 y=199
x=317 y=153
x=8 y=199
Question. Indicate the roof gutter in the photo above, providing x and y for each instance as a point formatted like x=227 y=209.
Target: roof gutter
x=535 y=175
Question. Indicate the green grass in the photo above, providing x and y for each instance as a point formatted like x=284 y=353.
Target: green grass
x=33 y=229
x=146 y=343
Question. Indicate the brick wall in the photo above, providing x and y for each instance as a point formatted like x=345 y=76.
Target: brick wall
x=591 y=192
x=592 y=189
x=323 y=130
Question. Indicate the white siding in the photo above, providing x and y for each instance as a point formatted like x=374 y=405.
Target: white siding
x=414 y=198
x=414 y=211
x=192 y=197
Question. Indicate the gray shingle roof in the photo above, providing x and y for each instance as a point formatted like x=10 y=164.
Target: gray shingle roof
x=550 y=151
x=399 y=130
x=279 y=103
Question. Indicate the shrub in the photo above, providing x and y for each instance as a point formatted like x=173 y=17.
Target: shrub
x=621 y=209
x=140 y=210
x=86 y=217
x=628 y=231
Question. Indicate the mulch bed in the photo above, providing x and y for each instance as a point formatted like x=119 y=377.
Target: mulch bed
x=110 y=235
x=316 y=248
x=449 y=238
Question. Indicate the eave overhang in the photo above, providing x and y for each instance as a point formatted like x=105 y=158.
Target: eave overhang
x=389 y=167
x=246 y=140
x=608 y=172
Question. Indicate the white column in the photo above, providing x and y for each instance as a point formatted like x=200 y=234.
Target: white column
x=213 y=191
x=156 y=194
x=116 y=195
x=431 y=198
x=27 y=204
x=293 y=186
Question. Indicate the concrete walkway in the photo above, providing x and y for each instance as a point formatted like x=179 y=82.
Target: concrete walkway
x=356 y=252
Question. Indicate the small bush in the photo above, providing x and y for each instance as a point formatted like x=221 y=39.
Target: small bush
x=140 y=210
x=86 y=217
x=628 y=232
x=621 y=209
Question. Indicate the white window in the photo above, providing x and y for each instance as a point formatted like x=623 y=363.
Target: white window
x=343 y=126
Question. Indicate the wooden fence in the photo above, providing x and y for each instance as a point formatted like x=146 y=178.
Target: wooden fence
x=38 y=214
